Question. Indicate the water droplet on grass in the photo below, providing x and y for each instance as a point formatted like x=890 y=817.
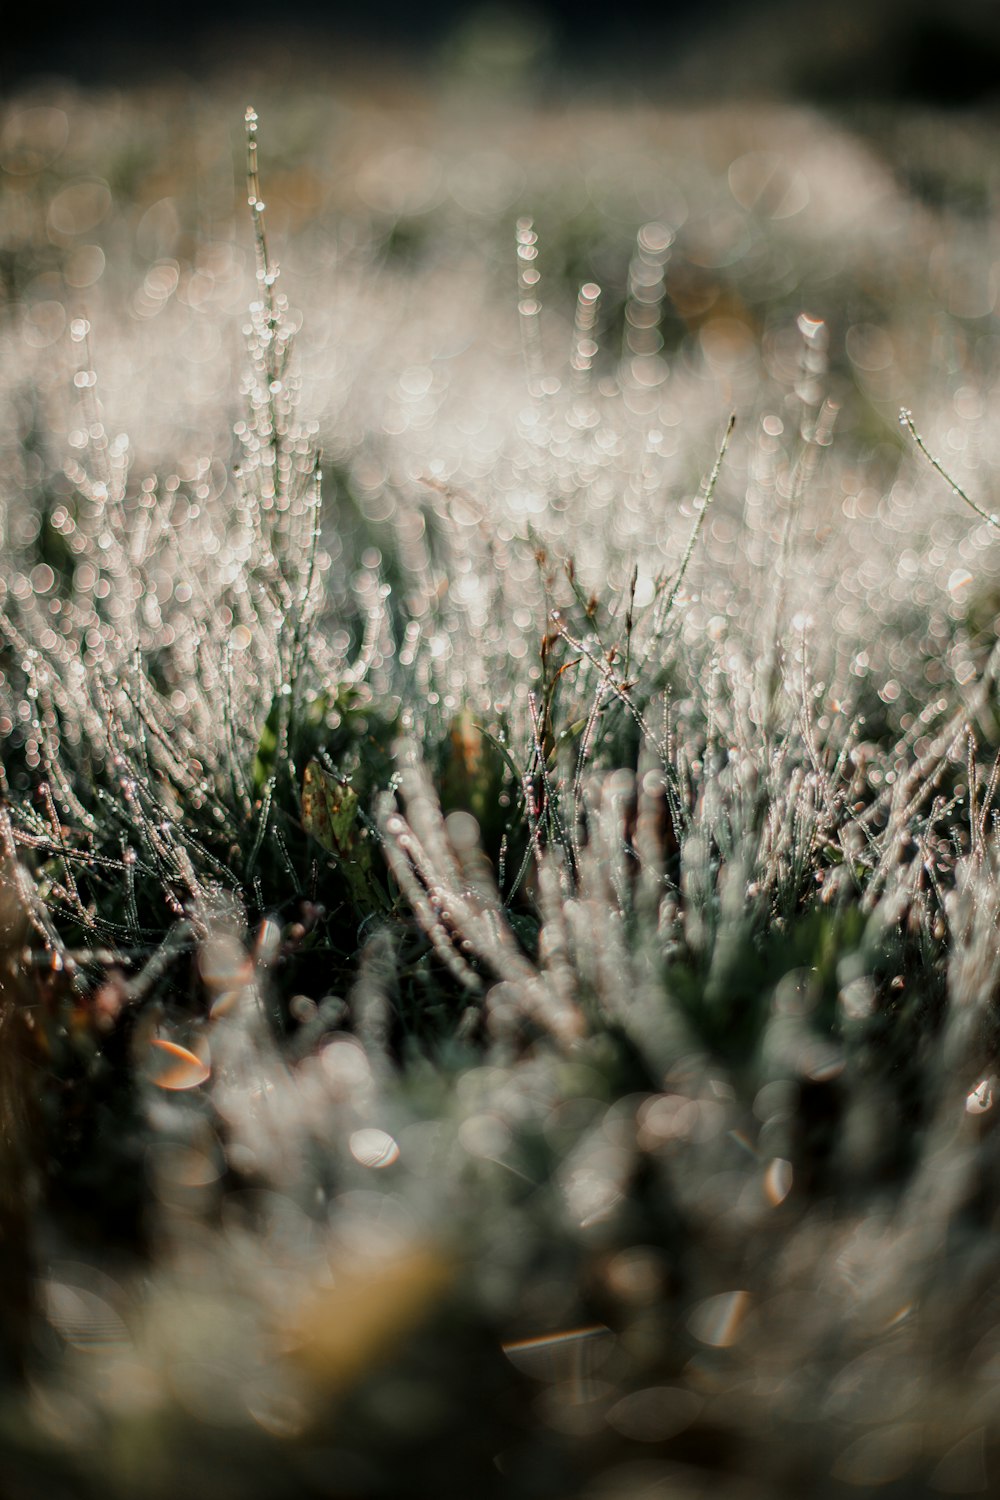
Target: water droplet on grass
x=718 y=1321
x=373 y=1148
x=980 y=1099
x=175 y=1067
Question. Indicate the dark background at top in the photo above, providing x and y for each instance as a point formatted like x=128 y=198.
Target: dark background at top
x=830 y=50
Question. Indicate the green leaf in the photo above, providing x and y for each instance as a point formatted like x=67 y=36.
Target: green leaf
x=329 y=809
x=473 y=766
x=330 y=816
x=265 y=760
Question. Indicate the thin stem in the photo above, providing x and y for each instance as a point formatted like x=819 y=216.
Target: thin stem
x=906 y=420
x=707 y=496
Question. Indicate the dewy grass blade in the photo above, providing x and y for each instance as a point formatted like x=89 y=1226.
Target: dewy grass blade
x=665 y=606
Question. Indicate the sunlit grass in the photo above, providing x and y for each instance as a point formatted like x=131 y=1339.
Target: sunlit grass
x=498 y=804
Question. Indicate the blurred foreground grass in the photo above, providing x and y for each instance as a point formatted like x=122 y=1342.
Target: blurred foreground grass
x=500 y=871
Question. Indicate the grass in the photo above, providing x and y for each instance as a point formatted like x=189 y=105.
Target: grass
x=500 y=953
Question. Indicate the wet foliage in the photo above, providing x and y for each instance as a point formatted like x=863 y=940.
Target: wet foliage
x=499 y=909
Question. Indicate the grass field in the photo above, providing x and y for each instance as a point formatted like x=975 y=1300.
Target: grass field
x=499 y=988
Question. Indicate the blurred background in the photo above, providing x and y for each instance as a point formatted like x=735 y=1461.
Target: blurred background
x=906 y=50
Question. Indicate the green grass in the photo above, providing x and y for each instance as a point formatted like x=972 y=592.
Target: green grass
x=500 y=881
